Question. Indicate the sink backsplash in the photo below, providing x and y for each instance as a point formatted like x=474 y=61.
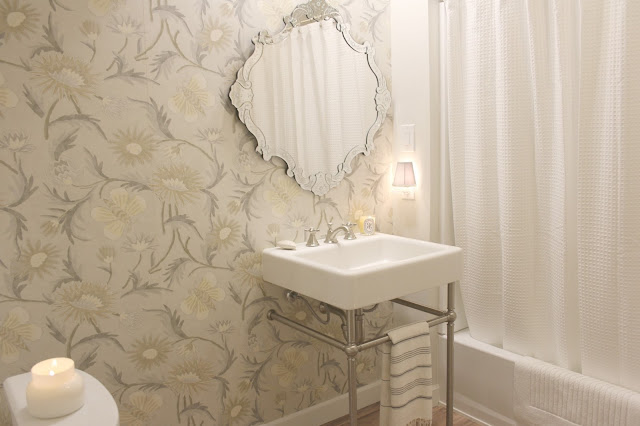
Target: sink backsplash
x=135 y=209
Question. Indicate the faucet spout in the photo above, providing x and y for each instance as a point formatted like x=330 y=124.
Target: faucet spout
x=332 y=237
x=332 y=234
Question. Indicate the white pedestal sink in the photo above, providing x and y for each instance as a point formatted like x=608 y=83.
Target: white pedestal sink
x=362 y=272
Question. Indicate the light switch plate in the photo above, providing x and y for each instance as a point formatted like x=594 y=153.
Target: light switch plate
x=407 y=138
x=408 y=193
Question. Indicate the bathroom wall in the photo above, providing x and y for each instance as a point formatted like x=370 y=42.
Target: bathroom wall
x=412 y=90
x=417 y=32
x=133 y=209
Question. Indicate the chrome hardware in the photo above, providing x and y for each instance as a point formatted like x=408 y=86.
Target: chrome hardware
x=312 y=241
x=352 y=326
x=332 y=234
x=350 y=235
x=291 y=296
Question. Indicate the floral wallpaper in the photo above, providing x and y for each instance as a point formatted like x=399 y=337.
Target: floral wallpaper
x=134 y=209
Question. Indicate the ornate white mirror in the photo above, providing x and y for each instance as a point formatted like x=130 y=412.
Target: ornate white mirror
x=312 y=96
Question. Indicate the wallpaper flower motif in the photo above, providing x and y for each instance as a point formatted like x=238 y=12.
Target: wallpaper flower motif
x=282 y=195
x=37 y=260
x=134 y=147
x=236 y=410
x=118 y=212
x=16 y=142
x=191 y=98
x=177 y=183
x=203 y=298
x=225 y=233
x=64 y=76
x=150 y=352
x=126 y=26
x=102 y=7
x=141 y=408
x=84 y=302
x=191 y=377
x=8 y=98
x=274 y=10
x=90 y=29
x=287 y=369
x=134 y=210
x=215 y=35
x=15 y=332
x=139 y=243
x=17 y=19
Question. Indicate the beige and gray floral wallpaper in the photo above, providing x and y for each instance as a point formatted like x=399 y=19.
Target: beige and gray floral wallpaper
x=133 y=209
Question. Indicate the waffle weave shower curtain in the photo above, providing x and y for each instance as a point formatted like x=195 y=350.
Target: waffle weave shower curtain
x=544 y=139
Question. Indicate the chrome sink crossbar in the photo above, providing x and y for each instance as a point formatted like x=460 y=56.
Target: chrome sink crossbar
x=355 y=343
x=273 y=315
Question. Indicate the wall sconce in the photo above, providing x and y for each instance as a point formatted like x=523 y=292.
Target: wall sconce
x=405 y=179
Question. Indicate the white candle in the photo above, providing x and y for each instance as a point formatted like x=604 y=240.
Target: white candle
x=367 y=225
x=55 y=389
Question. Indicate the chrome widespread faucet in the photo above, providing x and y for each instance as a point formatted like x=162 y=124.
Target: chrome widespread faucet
x=332 y=234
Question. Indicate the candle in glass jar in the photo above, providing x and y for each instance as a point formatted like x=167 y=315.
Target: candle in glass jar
x=367 y=225
x=55 y=389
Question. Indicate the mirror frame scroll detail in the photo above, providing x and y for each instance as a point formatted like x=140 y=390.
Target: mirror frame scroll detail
x=241 y=95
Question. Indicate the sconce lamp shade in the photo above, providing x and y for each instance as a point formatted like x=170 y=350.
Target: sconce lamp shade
x=404 y=176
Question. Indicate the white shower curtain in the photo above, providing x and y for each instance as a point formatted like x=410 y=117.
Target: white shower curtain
x=544 y=134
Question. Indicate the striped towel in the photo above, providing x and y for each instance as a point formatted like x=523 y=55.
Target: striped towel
x=545 y=394
x=405 y=398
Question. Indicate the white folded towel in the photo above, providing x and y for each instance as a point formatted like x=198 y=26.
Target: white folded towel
x=545 y=394
x=405 y=398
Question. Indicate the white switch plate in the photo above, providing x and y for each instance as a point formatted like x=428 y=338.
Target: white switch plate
x=407 y=138
x=408 y=194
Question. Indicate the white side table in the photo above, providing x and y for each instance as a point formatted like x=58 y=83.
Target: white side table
x=99 y=408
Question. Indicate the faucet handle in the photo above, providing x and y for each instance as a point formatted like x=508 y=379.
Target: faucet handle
x=329 y=239
x=312 y=241
x=350 y=235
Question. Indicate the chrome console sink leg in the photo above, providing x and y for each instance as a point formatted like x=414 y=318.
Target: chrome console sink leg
x=359 y=326
x=351 y=349
x=451 y=293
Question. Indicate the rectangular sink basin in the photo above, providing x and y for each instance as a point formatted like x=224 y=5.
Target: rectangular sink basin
x=362 y=272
